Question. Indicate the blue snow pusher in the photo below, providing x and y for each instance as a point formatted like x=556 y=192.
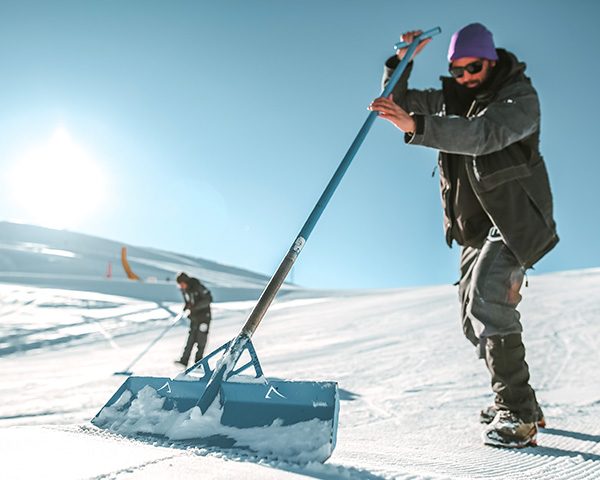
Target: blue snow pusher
x=262 y=407
x=218 y=405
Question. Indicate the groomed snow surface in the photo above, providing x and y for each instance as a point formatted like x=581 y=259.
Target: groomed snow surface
x=410 y=385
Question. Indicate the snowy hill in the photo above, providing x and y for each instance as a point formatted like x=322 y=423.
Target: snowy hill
x=37 y=256
x=411 y=387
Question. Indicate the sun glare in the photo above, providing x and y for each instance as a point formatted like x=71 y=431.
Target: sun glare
x=57 y=184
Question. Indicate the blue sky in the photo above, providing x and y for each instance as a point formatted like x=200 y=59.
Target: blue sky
x=217 y=125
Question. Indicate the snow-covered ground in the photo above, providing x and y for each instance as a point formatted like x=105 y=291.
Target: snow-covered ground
x=411 y=387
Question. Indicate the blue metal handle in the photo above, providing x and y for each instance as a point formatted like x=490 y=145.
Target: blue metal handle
x=423 y=36
x=286 y=265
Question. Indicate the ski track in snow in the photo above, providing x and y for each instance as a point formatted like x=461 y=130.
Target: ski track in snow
x=411 y=387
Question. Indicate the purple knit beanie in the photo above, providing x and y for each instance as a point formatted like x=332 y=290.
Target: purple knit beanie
x=474 y=40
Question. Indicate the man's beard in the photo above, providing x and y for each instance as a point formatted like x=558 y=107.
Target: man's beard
x=473 y=84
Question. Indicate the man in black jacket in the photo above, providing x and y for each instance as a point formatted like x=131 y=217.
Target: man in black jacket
x=485 y=122
x=197 y=301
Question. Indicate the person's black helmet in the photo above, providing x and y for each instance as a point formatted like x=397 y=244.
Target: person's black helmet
x=183 y=277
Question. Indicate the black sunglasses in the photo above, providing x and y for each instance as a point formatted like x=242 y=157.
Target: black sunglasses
x=473 y=67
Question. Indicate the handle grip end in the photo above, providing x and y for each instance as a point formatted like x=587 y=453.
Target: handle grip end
x=423 y=36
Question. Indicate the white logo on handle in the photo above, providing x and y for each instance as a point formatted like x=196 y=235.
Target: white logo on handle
x=299 y=244
x=272 y=389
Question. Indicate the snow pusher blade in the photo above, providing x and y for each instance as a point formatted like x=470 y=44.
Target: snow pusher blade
x=290 y=420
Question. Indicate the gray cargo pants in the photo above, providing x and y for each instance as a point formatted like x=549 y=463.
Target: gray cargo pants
x=490 y=281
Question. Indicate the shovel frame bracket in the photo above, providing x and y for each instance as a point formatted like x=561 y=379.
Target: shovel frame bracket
x=208 y=371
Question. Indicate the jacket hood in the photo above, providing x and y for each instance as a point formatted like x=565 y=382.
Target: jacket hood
x=507 y=70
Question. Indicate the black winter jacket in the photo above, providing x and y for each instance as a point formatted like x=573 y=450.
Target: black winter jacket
x=197 y=299
x=494 y=144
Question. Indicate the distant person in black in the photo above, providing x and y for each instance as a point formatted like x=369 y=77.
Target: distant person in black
x=197 y=301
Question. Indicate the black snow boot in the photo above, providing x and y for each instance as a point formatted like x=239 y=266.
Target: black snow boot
x=515 y=402
x=509 y=431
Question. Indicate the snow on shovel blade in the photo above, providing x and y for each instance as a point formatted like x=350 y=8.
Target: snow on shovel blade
x=288 y=420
